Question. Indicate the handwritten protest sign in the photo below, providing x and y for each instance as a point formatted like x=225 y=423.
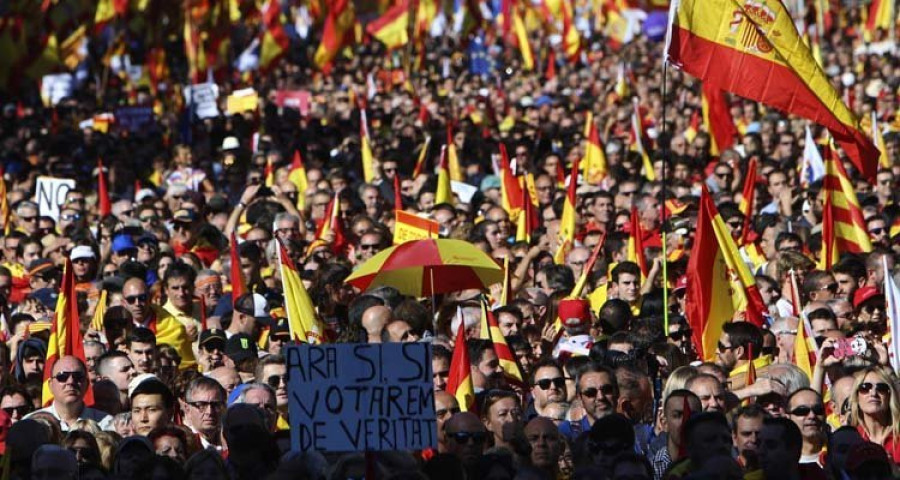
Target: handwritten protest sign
x=358 y=397
x=56 y=87
x=202 y=99
x=50 y=194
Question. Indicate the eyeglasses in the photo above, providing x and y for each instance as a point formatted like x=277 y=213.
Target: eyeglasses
x=19 y=411
x=722 y=347
x=466 y=437
x=680 y=335
x=723 y=174
x=201 y=405
x=28 y=219
x=604 y=389
x=803 y=410
x=544 y=384
x=831 y=287
x=444 y=411
x=151 y=218
x=368 y=246
x=132 y=299
x=870 y=308
x=275 y=380
x=63 y=377
x=279 y=338
x=70 y=217
x=127 y=213
x=880 y=387
x=628 y=194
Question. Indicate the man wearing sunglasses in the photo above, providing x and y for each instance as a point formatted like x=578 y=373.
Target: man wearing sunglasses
x=548 y=385
x=68 y=384
x=466 y=438
x=807 y=411
x=599 y=394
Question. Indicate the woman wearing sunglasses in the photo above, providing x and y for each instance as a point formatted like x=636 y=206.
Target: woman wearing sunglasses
x=875 y=410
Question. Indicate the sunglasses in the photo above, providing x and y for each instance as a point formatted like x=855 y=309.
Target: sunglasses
x=803 y=410
x=63 y=377
x=70 y=218
x=275 y=380
x=149 y=219
x=200 y=405
x=680 y=335
x=879 y=387
x=604 y=389
x=722 y=347
x=877 y=231
x=466 y=437
x=544 y=384
x=28 y=219
x=370 y=246
x=444 y=411
x=132 y=299
x=19 y=411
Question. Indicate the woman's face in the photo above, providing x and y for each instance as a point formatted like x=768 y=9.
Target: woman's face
x=172 y=447
x=874 y=395
x=83 y=451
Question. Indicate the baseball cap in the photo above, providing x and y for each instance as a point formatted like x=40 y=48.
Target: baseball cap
x=240 y=347
x=40 y=267
x=574 y=312
x=680 y=284
x=230 y=143
x=489 y=182
x=148 y=237
x=138 y=380
x=144 y=194
x=281 y=328
x=253 y=304
x=865 y=294
x=122 y=242
x=213 y=336
x=81 y=251
x=185 y=215
x=47 y=297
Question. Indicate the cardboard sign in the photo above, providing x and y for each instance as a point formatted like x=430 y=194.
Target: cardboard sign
x=50 y=194
x=359 y=397
x=202 y=98
x=55 y=88
x=245 y=100
x=134 y=119
x=296 y=99
x=409 y=226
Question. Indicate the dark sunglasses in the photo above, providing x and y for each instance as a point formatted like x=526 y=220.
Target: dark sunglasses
x=20 y=411
x=275 y=380
x=466 y=437
x=444 y=411
x=132 y=299
x=680 y=335
x=803 y=410
x=63 y=377
x=592 y=392
x=558 y=382
x=722 y=347
x=879 y=387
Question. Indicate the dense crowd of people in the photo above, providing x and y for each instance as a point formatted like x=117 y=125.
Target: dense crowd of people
x=185 y=380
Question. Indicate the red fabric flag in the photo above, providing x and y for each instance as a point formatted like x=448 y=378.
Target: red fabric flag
x=238 y=284
x=104 y=206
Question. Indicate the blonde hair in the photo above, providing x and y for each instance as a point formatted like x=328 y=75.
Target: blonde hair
x=87 y=425
x=893 y=422
x=107 y=442
x=678 y=380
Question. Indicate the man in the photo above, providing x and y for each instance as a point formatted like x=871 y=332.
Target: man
x=370 y=243
x=599 y=394
x=68 y=384
x=548 y=385
x=211 y=349
x=279 y=337
x=398 y=331
x=850 y=274
x=710 y=392
x=745 y=430
x=208 y=286
x=179 y=286
x=440 y=367
x=27 y=217
x=785 y=330
x=203 y=406
x=262 y=396
x=466 y=439
x=152 y=405
x=16 y=402
x=445 y=406
x=820 y=286
x=242 y=350
x=249 y=313
x=272 y=371
x=738 y=342
x=123 y=210
x=807 y=411
x=227 y=377
x=373 y=322
x=780 y=447
x=116 y=367
x=679 y=405
x=168 y=330
x=288 y=227
x=509 y=319
x=485 y=364
x=92 y=352
x=123 y=249
x=546 y=445
x=626 y=284
x=142 y=350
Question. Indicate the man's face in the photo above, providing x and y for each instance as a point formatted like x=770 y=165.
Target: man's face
x=91 y=354
x=711 y=393
x=121 y=372
x=544 y=189
x=143 y=355
x=777 y=183
x=137 y=302
x=275 y=376
x=598 y=394
x=546 y=445
x=68 y=382
x=878 y=231
x=509 y=324
x=847 y=285
x=204 y=411
x=725 y=353
x=400 y=331
x=33 y=366
x=287 y=229
x=808 y=412
x=489 y=366
x=628 y=287
x=210 y=288
x=9 y=248
x=369 y=245
x=181 y=292
x=674 y=416
x=265 y=401
x=440 y=368
x=549 y=386
x=148 y=412
x=28 y=219
x=16 y=406
x=31 y=253
x=708 y=440
x=445 y=406
x=746 y=438
x=577 y=259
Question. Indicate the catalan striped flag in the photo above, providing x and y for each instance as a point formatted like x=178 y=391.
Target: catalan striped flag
x=304 y=324
x=639 y=141
x=567 y=223
x=892 y=294
x=297 y=176
x=65 y=334
x=753 y=49
x=718 y=281
x=368 y=160
x=490 y=330
x=392 y=28
x=443 y=194
x=274 y=41
x=594 y=162
x=510 y=188
x=878 y=139
x=843 y=224
x=99 y=312
x=717 y=117
x=104 y=206
x=636 y=242
x=747 y=200
x=459 y=383
x=881 y=15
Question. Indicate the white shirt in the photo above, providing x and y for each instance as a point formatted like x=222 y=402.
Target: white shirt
x=102 y=418
x=204 y=442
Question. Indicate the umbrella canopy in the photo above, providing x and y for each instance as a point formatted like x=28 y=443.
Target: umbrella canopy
x=423 y=268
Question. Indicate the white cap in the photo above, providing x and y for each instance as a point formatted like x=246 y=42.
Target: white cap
x=143 y=194
x=81 y=251
x=133 y=384
x=230 y=143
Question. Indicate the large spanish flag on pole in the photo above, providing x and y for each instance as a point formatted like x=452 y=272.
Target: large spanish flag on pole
x=459 y=383
x=65 y=334
x=567 y=224
x=753 y=49
x=719 y=283
x=304 y=325
x=843 y=224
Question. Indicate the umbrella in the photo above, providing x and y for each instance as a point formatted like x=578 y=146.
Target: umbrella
x=423 y=268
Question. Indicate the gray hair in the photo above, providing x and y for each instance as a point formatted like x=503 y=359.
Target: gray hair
x=242 y=397
x=790 y=376
x=282 y=216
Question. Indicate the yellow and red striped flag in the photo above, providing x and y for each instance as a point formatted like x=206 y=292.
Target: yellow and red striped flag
x=238 y=283
x=305 y=326
x=567 y=223
x=409 y=226
x=639 y=143
x=717 y=117
x=527 y=220
x=443 y=194
x=452 y=158
x=510 y=188
x=571 y=43
x=297 y=176
x=490 y=330
x=392 y=27
x=459 y=383
x=878 y=140
x=843 y=224
x=5 y=211
x=522 y=39
x=368 y=160
x=594 y=161
x=635 y=252
x=65 y=334
x=337 y=33
x=747 y=198
x=332 y=227
x=274 y=41
x=423 y=155
x=804 y=352
x=718 y=281
x=753 y=50
x=99 y=312
x=880 y=16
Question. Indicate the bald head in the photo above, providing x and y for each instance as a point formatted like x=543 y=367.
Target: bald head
x=373 y=321
x=546 y=444
x=226 y=376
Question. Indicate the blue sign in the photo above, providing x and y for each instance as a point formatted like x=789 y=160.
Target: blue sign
x=134 y=119
x=361 y=397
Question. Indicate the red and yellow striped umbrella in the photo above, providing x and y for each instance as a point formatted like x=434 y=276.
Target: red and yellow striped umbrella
x=423 y=268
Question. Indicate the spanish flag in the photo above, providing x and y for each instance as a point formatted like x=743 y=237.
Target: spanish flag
x=337 y=33
x=459 y=384
x=269 y=173
x=527 y=220
x=880 y=16
x=639 y=143
x=636 y=243
x=304 y=325
x=843 y=224
x=506 y=294
x=804 y=352
x=753 y=50
x=747 y=198
x=586 y=270
x=452 y=158
x=571 y=38
x=510 y=188
x=718 y=281
x=99 y=312
x=332 y=227
x=392 y=27
x=238 y=283
x=594 y=161
x=274 y=41
x=368 y=160
x=490 y=330
x=878 y=140
x=717 y=117
x=104 y=207
x=65 y=334
x=567 y=223
x=297 y=176
x=443 y=194
x=522 y=39
x=423 y=156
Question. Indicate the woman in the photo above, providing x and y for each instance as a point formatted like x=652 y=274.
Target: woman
x=502 y=416
x=84 y=446
x=875 y=410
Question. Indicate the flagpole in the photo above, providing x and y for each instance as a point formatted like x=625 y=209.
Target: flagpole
x=662 y=193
